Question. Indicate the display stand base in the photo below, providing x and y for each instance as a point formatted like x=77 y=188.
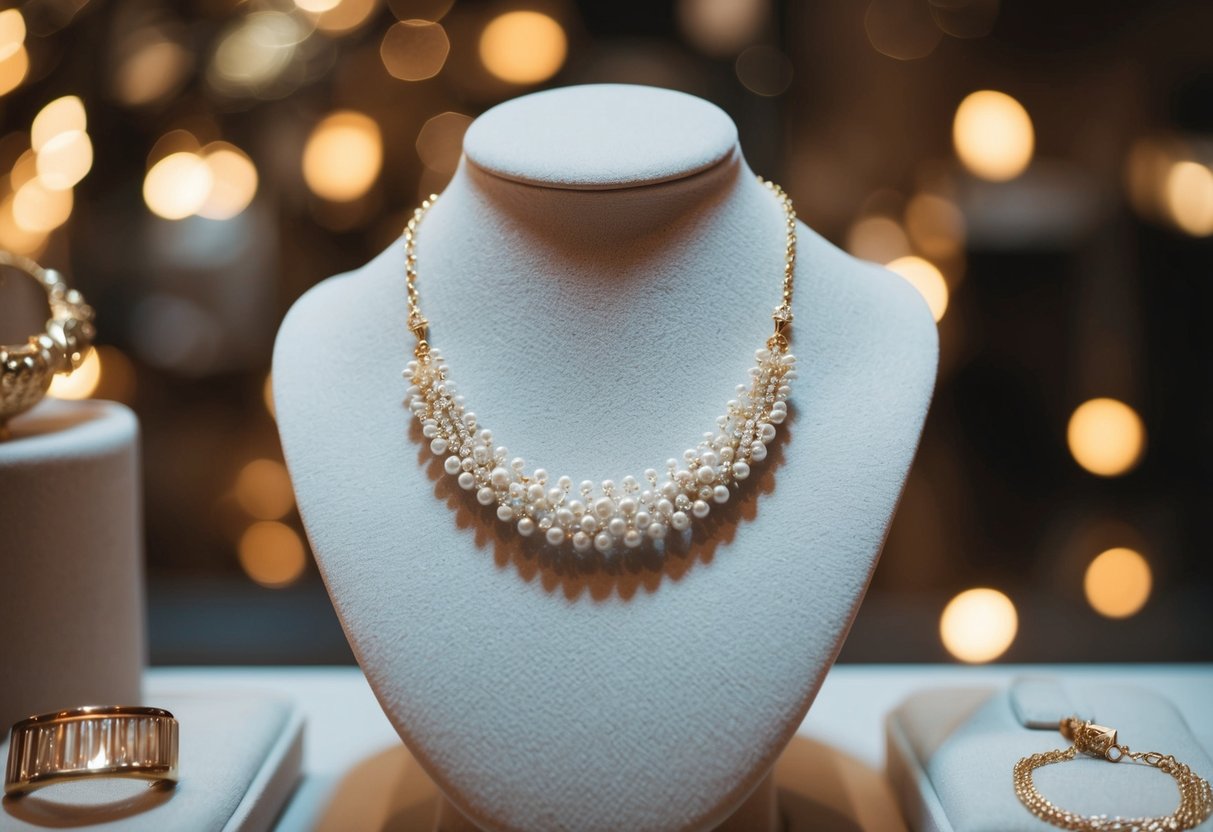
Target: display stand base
x=812 y=787
x=240 y=759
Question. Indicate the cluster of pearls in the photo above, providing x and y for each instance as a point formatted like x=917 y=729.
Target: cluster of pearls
x=602 y=515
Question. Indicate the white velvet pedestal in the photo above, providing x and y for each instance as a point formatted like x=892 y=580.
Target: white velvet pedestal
x=240 y=758
x=599 y=273
x=951 y=751
x=71 y=568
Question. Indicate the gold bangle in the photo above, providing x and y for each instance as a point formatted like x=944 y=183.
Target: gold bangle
x=95 y=741
x=1195 y=795
x=26 y=369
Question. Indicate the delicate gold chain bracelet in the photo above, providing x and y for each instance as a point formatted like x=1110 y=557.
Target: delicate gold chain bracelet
x=1195 y=794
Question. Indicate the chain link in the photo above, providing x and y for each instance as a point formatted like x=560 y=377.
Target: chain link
x=782 y=315
x=1195 y=795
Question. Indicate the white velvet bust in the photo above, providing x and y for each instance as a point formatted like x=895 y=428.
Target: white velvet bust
x=598 y=275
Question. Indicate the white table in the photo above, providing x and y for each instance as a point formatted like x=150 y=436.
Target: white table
x=345 y=725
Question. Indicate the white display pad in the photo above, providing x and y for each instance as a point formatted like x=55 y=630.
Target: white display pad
x=599 y=329
x=240 y=757
x=71 y=559
x=951 y=752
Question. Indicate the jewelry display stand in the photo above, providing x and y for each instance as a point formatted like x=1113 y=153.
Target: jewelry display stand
x=598 y=274
x=951 y=752
x=240 y=758
x=70 y=559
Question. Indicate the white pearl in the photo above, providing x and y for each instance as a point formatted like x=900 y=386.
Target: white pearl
x=632 y=538
x=608 y=486
x=741 y=470
x=629 y=483
x=466 y=481
x=586 y=487
x=665 y=507
x=679 y=520
x=643 y=518
x=581 y=541
x=669 y=489
x=534 y=492
x=766 y=431
x=517 y=463
x=480 y=453
x=469 y=419
x=564 y=517
x=700 y=509
x=709 y=458
x=555 y=495
x=500 y=453
x=486 y=436
x=627 y=505
x=577 y=507
x=438 y=446
x=604 y=507
x=726 y=453
x=429 y=430
x=720 y=494
x=555 y=535
x=617 y=526
x=540 y=476
x=656 y=530
x=452 y=464
x=683 y=476
x=650 y=474
x=505 y=513
x=485 y=496
x=705 y=474
x=526 y=526
x=603 y=542
x=564 y=483
x=777 y=416
x=499 y=477
x=758 y=451
x=588 y=524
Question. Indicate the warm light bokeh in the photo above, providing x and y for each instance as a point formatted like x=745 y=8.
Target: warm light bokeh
x=177 y=186
x=878 y=239
x=272 y=554
x=523 y=47
x=65 y=159
x=343 y=156
x=993 y=135
x=233 y=181
x=1117 y=583
x=39 y=209
x=1189 y=197
x=413 y=50
x=263 y=489
x=82 y=383
x=927 y=279
x=978 y=625
x=1106 y=437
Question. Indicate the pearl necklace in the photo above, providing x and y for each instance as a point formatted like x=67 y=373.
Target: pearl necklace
x=604 y=514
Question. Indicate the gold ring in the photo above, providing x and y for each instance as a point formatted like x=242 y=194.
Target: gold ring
x=95 y=741
x=26 y=369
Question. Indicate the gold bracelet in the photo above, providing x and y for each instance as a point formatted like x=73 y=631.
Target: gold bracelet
x=1195 y=795
x=26 y=369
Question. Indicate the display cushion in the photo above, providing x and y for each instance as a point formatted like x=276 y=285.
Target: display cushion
x=240 y=757
x=951 y=752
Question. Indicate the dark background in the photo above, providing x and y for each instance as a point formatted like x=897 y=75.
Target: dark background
x=1076 y=279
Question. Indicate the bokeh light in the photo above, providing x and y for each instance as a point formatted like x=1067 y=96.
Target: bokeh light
x=936 y=225
x=13 y=70
x=151 y=70
x=1189 y=197
x=267 y=395
x=178 y=185
x=345 y=17
x=39 y=209
x=233 y=181
x=63 y=115
x=263 y=489
x=272 y=554
x=255 y=53
x=523 y=47
x=440 y=142
x=978 y=625
x=901 y=29
x=15 y=238
x=317 y=6
x=877 y=238
x=83 y=381
x=1106 y=437
x=118 y=377
x=722 y=27
x=928 y=280
x=12 y=33
x=993 y=135
x=343 y=156
x=764 y=70
x=413 y=50
x=65 y=159
x=1118 y=582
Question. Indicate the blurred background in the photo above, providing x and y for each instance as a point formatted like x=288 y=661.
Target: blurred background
x=1040 y=171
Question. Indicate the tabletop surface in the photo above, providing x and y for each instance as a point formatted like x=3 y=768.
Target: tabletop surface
x=345 y=724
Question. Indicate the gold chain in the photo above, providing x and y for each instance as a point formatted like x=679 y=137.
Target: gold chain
x=782 y=315
x=1195 y=795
